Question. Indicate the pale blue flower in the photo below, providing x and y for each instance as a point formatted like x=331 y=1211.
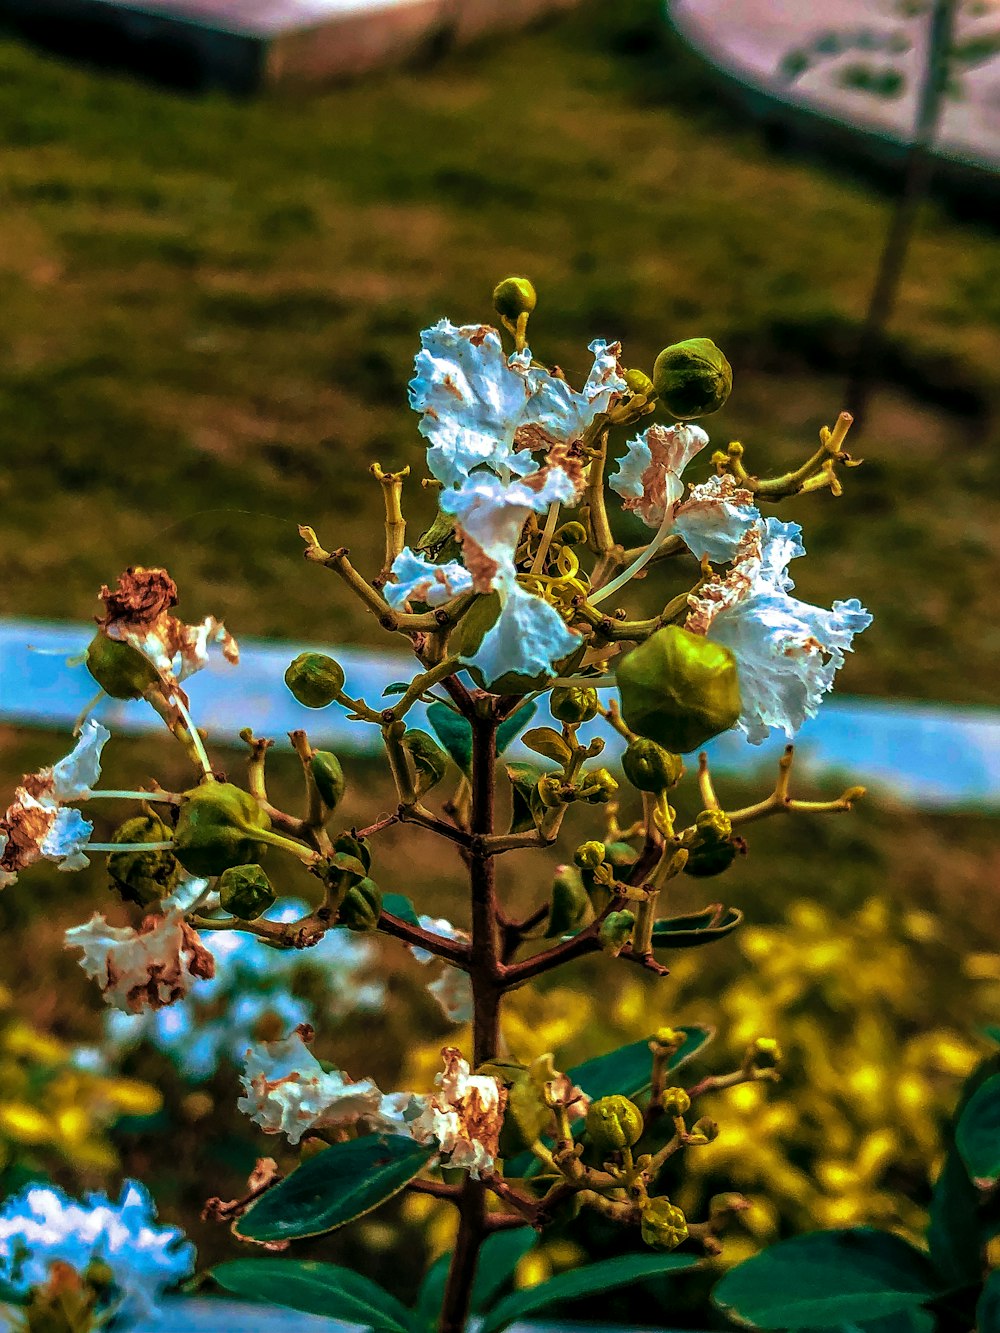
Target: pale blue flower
x=75 y=776
x=420 y=581
x=66 y=838
x=649 y=472
x=715 y=518
x=41 y=1225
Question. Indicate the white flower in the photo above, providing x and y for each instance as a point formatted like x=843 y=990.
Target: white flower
x=146 y=968
x=529 y=636
x=42 y=1226
x=418 y=580
x=35 y=825
x=464 y=1117
x=453 y=991
x=715 y=518
x=479 y=407
x=649 y=473
x=787 y=651
x=289 y=1092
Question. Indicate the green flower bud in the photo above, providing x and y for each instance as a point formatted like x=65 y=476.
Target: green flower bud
x=570 y=907
x=361 y=907
x=216 y=824
x=550 y=791
x=614 y=1123
x=314 y=679
x=679 y=689
x=668 y=1040
x=713 y=849
x=144 y=877
x=328 y=777
x=649 y=767
x=246 y=892
x=352 y=846
x=572 y=703
x=764 y=1053
x=513 y=297
x=121 y=670
x=705 y=1130
x=589 y=854
x=598 y=786
x=616 y=932
x=692 y=378
x=675 y=1101
x=663 y=1224
x=639 y=383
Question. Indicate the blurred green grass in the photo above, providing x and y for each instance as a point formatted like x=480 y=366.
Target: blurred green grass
x=211 y=309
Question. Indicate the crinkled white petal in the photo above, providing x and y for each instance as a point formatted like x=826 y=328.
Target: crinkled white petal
x=75 y=776
x=464 y=1117
x=419 y=580
x=558 y=414
x=66 y=838
x=649 y=472
x=41 y=1226
x=492 y=513
x=529 y=637
x=714 y=519
x=146 y=968
x=453 y=992
x=471 y=398
x=289 y=1092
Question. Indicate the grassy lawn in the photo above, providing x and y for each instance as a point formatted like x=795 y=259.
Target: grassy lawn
x=211 y=309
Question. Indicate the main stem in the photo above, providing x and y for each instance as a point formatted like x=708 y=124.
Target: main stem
x=485 y=974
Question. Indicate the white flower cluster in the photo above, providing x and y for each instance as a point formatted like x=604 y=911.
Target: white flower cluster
x=501 y=433
x=253 y=992
x=42 y=1226
x=288 y=1091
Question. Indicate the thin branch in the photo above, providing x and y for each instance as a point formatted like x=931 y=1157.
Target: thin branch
x=452 y=951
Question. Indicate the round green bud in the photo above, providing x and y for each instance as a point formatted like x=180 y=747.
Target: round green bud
x=764 y=1053
x=615 y=932
x=692 y=378
x=361 y=906
x=713 y=849
x=675 y=1101
x=144 y=877
x=589 y=854
x=314 y=679
x=679 y=689
x=216 y=823
x=328 y=777
x=639 y=383
x=573 y=704
x=513 y=297
x=649 y=767
x=663 y=1224
x=668 y=1040
x=598 y=786
x=705 y=1130
x=570 y=904
x=550 y=791
x=246 y=892
x=352 y=846
x=614 y=1123
x=121 y=670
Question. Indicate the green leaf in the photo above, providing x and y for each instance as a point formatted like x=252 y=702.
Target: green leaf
x=687 y=932
x=827 y=1278
x=315 y=1288
x=429 y=761
x=397 y=904
x=454 y=732
x=431 y=1295
x=508 y=732
x=977 y=1135
x=993 y=1032
x=953 y=1234
x=337 y=1185
x=397 y=687
x=548 y=742
x=599 y=1277
x=988 y=1309
x=628 y=1070
x=523 y=779
x=498 y=1258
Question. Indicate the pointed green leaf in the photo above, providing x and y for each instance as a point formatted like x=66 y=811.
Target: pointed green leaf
x=397 y=904
x=977 y=1135
x=687 y=932
x=337 y=1185
x=498 y=1258
x=315 y=1288
x=454 y=732
x=827 y=1278
x=523 y=779
x=548 y=742
x=571 y=1286
x=431 y=1295
x=508 y=732
x=953 y=1233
